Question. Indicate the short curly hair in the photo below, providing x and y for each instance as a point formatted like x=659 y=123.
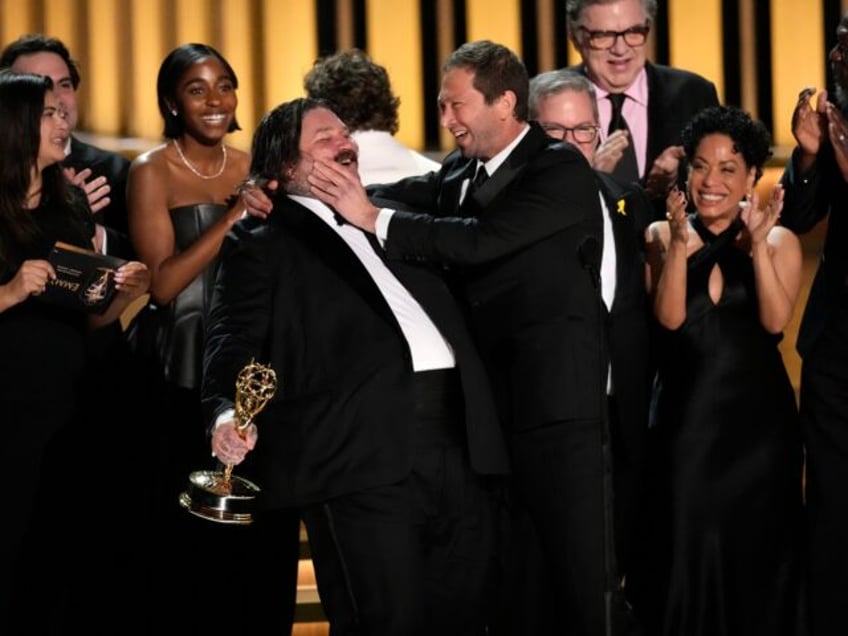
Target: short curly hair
x=357 y=90
x=750 y=137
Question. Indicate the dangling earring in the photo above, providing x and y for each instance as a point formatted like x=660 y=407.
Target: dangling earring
x=744 y=203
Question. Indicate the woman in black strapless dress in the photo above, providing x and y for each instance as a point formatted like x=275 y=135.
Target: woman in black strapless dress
x=727 y=456
x=183 y=199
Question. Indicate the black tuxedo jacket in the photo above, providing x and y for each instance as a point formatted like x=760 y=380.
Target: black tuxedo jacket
x=808 y=199
x=114 y=167
x=629 y=352
x=291 y=293
x=674 y=97
x=627 y=323
x=516 y=244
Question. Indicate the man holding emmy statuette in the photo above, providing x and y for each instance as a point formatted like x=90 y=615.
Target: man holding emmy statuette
x=383 y=433
x=219 y=495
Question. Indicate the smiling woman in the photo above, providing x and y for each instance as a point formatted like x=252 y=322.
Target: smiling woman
x=43 y=347
x=182 y=198
x=725 y=492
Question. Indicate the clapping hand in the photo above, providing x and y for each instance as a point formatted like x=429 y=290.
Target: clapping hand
x=663 y=173
x=609 y=153
x=97 y=190
x=675 y=206
x=808 y=123
x=759 y=222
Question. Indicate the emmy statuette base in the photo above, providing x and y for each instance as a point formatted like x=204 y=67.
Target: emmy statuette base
x=210 y=497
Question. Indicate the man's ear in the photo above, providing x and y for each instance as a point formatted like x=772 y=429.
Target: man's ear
x=506 y=104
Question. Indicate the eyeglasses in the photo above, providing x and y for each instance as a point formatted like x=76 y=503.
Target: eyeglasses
x=583 y=134
x=603 y=40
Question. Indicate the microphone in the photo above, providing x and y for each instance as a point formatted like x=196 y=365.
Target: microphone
x=590 y=258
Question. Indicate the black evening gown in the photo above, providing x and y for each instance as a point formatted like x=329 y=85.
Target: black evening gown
x=42 y=357
x=189 y=573
x=727 y=464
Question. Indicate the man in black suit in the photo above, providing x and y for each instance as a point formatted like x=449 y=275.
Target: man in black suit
x=102 y=174
x=564 y=104
x=523 y=243
x=656 y=101
x=383 y=432
x=816 y=187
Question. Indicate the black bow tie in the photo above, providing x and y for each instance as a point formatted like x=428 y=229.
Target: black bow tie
x=340 y=220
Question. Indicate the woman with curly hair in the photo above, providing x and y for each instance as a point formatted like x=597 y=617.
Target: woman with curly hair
x=727 y=467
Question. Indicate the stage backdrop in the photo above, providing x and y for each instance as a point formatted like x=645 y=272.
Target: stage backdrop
x=759 y=53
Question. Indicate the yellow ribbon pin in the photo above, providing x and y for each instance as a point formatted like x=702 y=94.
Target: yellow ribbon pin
x=620 y=209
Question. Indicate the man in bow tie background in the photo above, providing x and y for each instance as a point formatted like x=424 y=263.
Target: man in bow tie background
x=383 y=434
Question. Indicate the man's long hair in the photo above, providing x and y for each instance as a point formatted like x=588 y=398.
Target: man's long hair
x=276 y=141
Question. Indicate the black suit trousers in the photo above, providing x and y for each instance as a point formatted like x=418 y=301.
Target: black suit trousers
x=824 y=421
x=558 y=478
x=416 y=557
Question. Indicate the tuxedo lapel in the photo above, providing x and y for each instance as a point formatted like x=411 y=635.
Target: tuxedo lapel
x=459 y=169
x=329 y=248
x=655 y=115
x=621 y=211
x=509 y=170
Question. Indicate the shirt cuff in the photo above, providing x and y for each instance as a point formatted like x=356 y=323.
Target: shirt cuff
x=382 y=225
x=227 y=415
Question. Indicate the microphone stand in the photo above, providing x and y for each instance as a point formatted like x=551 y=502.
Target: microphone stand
x=590 y=255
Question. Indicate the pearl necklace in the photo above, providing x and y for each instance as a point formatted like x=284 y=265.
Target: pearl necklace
x=195 y=170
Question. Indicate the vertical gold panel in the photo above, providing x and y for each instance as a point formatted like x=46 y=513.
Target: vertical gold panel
x=695 y=42
x=794 y=66
x=16 y=19
x=62 y=23
x=148 y=50
x=395 y=28
x=290 y=43
x=192 y=21
x=496 y=20
x=106 y=46
x=444 y=45
x=748 y=57
x=344 y=24
x=236 y=41
x=545 y=30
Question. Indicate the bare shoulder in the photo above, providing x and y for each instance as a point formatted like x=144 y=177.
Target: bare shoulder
x=781 y=238
x=238 y=156
x=151 y=162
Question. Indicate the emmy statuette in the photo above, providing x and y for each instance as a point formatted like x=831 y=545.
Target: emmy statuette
x=219 y=495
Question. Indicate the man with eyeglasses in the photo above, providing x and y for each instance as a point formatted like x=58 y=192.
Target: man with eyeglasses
x=642 y=106
x=564 y=105
x=816 y=185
